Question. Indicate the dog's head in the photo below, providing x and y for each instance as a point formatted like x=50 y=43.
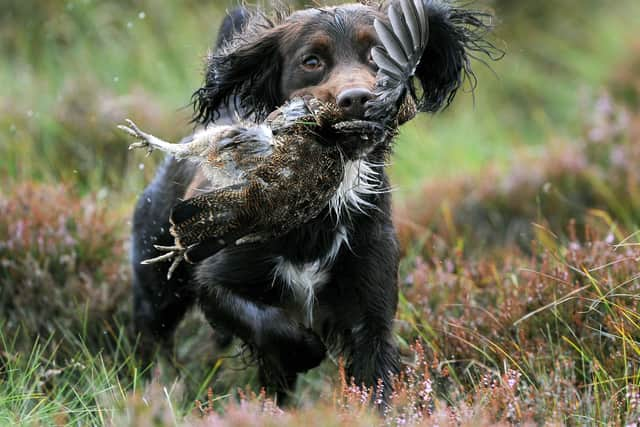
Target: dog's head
x=326 y=53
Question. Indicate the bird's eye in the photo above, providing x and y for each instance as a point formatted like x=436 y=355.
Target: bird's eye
x=311 y=63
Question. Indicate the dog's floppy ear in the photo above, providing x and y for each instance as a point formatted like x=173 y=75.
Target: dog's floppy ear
x=243 y=73
x=234 y=22
x=455 y=36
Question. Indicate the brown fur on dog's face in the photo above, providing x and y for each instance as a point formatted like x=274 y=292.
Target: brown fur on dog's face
x=327 y=52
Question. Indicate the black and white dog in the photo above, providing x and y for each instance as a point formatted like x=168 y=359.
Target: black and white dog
x=330 y=285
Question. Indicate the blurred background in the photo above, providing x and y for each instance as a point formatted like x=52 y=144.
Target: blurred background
x=72 y=70
x=549 y=136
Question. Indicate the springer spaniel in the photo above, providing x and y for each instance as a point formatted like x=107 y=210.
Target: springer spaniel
x=331 y=284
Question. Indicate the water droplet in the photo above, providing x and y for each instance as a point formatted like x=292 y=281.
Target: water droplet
x=142 y=15
x=129 y=24
x=141 y=166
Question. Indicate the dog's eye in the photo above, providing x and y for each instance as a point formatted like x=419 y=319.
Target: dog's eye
x=311 y=63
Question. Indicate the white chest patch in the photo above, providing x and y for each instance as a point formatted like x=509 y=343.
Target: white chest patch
x=305 y=279
x=359 y=180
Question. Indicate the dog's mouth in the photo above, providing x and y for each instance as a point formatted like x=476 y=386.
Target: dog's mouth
x=358 y=138
x=364 y=128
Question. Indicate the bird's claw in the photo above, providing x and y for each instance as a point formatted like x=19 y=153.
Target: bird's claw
x=175 y=254
x=144 y=138
x=142 y=144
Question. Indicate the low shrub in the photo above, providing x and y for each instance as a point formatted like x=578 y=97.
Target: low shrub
x=62 y=266
x=562 y=183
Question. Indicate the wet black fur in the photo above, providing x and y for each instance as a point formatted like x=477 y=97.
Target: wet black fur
x=236 y=288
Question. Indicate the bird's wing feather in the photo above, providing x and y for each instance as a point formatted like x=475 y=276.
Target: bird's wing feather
x=401 y=53
x=387 y=65
x=393 y=45
x=410 y=12
x=223 y=215
x=401 y=30
x=403 y=44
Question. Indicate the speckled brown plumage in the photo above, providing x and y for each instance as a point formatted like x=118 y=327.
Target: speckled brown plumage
x=277 y=176
x=281 y=191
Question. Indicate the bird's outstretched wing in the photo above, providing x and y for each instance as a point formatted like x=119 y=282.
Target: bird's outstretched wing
x=206 y=216
x=206 y=224
x=404 y=41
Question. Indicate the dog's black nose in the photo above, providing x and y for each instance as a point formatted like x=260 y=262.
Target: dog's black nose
x=352 y=101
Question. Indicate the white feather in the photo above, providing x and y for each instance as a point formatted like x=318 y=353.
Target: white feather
x=360 y=179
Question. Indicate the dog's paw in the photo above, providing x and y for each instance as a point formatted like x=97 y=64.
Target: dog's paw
x=294 y=348
x=305 y=354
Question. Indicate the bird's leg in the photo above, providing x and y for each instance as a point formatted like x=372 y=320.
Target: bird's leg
x=151 y=142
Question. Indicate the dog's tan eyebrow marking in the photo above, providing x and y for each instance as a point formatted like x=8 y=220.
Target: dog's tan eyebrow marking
x=320 y=41
x=366 y=36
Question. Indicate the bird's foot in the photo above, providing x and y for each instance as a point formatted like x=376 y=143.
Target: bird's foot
x=175 y=254
x=145 y=140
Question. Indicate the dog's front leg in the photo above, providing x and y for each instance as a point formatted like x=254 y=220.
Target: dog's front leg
x=362 y=301
x=284 y=347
